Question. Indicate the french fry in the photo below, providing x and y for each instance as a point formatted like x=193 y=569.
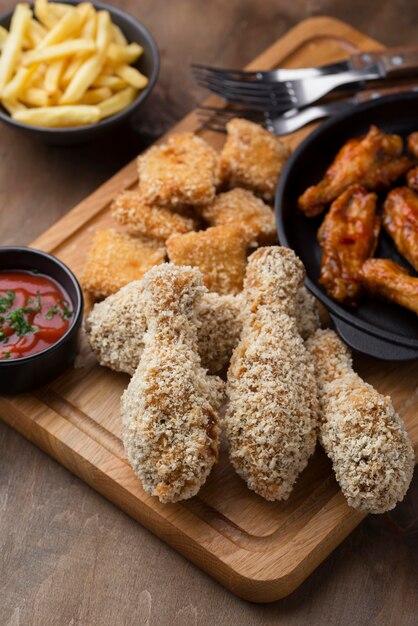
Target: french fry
x=74 y=64
x=59 y=116
x=13 y=44
x=47 y=17
x=123 y=55
x=18 y=83
x=3 y=36
x=90 y=27
x=60 y=9
x=116 y=103
x=36 y=32
x=62 y=30
x=38 y=76
x=114 y=82
x=12 y=106
x=91 y=68
x=53 y=75
x=60 y=50
x=132 y=76
x=94 y=96
x=35 y=97
x=118 y=37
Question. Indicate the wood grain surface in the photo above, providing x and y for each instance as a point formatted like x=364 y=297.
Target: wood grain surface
x=63 y=563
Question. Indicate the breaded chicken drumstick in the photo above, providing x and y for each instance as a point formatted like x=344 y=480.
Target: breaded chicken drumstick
x=116 y=327
x=365 y=438
x=272 y=415
x=169 y=410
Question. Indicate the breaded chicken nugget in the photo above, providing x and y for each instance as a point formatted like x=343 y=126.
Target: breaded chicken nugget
x=141 y=219
x=271 y=419
x=219 y=252
x=182 y=171
x=242 y=207
x=365 y=438
x=253 y=158
x=116 y=326
x=169 y=410
x=116 y=259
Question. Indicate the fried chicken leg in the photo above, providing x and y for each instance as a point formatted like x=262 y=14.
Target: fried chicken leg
x=400 y=219
x=348 y=236
x=272 y=414
x=169 y=410
x=374 y=161
x=390 y=281
x=365 y=438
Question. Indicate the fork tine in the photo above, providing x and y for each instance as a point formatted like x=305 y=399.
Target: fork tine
x=247 y=86
x=259 y=102
x=277 y=95
x=230 y=113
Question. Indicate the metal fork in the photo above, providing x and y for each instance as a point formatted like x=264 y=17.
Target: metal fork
x=282 y=96
x=216 y=119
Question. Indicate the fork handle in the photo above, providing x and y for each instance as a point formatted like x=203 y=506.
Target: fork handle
x=393 y=62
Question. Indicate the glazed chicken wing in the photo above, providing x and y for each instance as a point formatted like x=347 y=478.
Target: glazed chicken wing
x=374 y=161
x=412 y=179
x=390 y=281
x=413 y=144
x=348 y=236
x=400 y=218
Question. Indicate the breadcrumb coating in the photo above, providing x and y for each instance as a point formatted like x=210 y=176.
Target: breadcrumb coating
x=182 y=171
x=242 y=207
x=130 y=210
x=219 y=252
x=271 y=419
x=169 y=410
x=115 y=259
x=361 y=432
x=253 y=158
x=307 y=313
x=116 y=326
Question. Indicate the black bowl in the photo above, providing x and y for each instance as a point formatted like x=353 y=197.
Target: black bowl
x=377 y=328
x=148 y=64
x=19 y=375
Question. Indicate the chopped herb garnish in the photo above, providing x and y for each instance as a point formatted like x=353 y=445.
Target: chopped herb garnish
x=6 y=355
x=7 y=301
x=19 y=323
x=3 y=337
x=62 y=310
x=37 y=304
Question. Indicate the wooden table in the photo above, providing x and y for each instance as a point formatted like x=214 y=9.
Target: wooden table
x=70 y=557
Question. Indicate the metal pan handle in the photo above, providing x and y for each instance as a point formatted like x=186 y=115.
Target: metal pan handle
x=371 y=345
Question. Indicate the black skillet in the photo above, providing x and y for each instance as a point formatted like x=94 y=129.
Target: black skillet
x=377 y=328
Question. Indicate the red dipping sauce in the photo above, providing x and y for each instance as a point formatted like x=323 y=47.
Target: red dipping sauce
x=35 y=312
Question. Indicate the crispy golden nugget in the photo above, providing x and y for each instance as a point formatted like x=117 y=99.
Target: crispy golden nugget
x=182 y=171
x=400 y=219
x=413 y=144
x=253 y=158
x=348 y=236
x=243 y=207
x=116 y=259
x=141 y=219
x=219 y=252
x=374 y=161
x=387 y=279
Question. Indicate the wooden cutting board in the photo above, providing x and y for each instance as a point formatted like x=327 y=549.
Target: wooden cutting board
x=259 y=550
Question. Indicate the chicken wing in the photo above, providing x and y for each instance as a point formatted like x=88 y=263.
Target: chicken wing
x=271 y=418
x=169 y=410
x=412 y=179
x=400 y=219
x=390 y=281
x=365 y=438
x=374 y=161
x=413 y=144
x=116 y=327
x=347 y=236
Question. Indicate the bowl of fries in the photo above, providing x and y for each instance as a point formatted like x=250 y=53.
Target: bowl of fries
x=70 y=71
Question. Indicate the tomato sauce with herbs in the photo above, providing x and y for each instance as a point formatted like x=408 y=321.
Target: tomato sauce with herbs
x=35 y=312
